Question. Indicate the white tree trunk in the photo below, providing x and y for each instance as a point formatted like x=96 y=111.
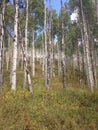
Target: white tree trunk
x=25 y=62
x=26 y=28
x=1 y=43
x=43 y=51
x=59 y=59
x=49 y=50
x=14 y=58
x=33 y=54
x=52 y=60
x=87 y=49
x=26 y=40
x=11 y=52
x=45 y=36
x=63 y=50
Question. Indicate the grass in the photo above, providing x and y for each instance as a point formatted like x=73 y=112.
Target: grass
x=56 y=109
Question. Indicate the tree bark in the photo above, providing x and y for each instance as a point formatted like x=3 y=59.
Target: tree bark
x=63 y=49
x=33 y=54
x=14 y=58
x=26 y=40
x=59 y=59
x=49 y=49
x=96 y=1
x=2 y=43
x=45 y=36
x=87 y=49
x=25 y=61
x=43 y=51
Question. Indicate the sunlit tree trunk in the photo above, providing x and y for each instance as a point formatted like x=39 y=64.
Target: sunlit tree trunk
x=78 y=62
x=25 y=61
x=59 y=59
x=93 y=56
x=49 y=49
x=33 y=54
x=1 y=42
x=11 y=55
x=87 y=49
x=84 y=58
x=43 y=54
x=52 y=59
x=26 y=39
x=14 y=58
x=63 y=49
x=45 y=36
x=26 y=27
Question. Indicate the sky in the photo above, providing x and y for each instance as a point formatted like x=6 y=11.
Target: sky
x=55 y=4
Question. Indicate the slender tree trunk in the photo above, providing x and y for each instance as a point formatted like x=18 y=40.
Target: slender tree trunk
x=52 y=44
x=18 y=55
x=26 y=40
x=63 y=49
x=87 y=49
x=11 y=55
x=26 y=28
x=2 y=43
x=96 y=1
x=84 y=58
x=49 y=49
x=33 y=54
x=45 y=36
x=43 y=51
x=93 y=57
x=14 y=58
x=59 y=59
x=79 y=64
x=52 y=60
x=25 y=61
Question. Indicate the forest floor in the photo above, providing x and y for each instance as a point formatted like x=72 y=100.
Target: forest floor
x=75 y=108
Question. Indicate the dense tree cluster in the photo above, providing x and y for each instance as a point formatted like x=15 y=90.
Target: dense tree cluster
x=29 y=31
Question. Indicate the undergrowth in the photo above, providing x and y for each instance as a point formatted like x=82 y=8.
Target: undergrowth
x=75 y=108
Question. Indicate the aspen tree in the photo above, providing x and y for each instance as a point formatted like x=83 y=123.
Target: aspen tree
x=26 y=38
x=96 y=1
x=33 y=54
x=59 y=59
x=1 y=42
x=63 y=49
x=87 y=50
x=26 y=27
x=25 y=61
x=49 y=49
x=93 y=56
x=52 y=44
x=45 y=37
x=52 y=59
x=43 y=51
x=14 y=58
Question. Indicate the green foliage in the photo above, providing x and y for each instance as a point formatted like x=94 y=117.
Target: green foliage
x=49 y=110
x=55 y=23
x=37 y=12
x=56 y=109
x=38 y=43
x=9 y=15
